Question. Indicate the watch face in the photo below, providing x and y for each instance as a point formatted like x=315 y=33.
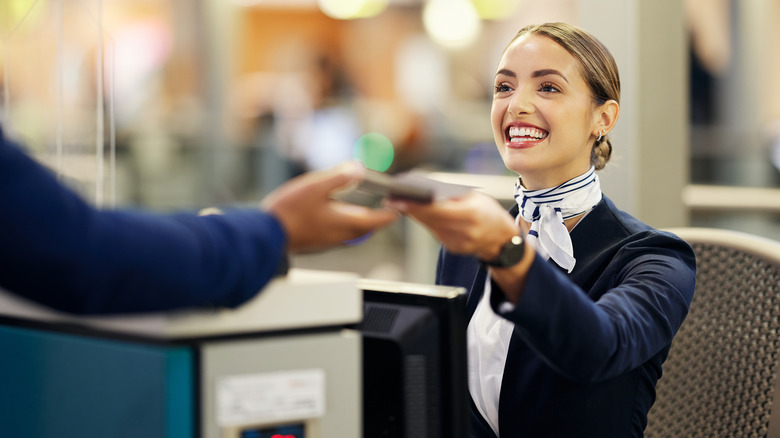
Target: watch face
x=512 y=252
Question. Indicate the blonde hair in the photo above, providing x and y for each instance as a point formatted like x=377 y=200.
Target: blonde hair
x=598 y=68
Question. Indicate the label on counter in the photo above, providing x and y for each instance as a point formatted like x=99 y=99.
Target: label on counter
x=270 y=397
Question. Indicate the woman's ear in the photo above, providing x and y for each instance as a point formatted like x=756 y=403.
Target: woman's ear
x=606 y=116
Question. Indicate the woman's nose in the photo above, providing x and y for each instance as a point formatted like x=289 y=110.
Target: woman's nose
x=520 y=103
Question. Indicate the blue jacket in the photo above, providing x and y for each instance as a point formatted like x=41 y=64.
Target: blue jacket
x=587 y=347
x=58 y=250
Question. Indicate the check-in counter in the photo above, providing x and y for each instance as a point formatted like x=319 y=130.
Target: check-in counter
x=282 y=364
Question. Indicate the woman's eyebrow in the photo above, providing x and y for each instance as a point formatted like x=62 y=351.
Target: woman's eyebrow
x=506 y=72
x=536 y=74
x=548 y=71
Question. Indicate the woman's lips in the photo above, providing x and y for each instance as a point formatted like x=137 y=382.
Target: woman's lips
x=524 y=136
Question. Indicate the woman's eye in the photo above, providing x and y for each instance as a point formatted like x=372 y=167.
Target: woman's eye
x=548 y=88
x=502 y=88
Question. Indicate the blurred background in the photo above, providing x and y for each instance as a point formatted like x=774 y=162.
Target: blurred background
x=180 y=104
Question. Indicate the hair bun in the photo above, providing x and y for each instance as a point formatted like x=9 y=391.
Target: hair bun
x=601 y=153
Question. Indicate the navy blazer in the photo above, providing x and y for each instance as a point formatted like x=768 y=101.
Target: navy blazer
x=587 y=347
x=58 y=250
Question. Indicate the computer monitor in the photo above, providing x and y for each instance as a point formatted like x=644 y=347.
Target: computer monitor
x=414 y=361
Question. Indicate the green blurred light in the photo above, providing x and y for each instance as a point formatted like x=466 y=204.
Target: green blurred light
x=375 y=151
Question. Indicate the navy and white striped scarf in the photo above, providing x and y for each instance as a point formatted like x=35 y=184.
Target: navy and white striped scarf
x=546 y=209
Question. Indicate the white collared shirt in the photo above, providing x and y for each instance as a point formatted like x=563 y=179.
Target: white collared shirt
x=488 y=338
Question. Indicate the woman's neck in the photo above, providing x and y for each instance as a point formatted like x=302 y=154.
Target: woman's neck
x=540 y=181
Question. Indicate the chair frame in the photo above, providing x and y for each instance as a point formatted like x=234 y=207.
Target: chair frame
x=763 y=247
x=766 y=250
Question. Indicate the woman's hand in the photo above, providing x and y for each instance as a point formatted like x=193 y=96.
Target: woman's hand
x=474 y=224
x=471 y=224
x=315 y=221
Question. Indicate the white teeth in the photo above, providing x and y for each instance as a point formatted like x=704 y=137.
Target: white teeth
x=515 y=132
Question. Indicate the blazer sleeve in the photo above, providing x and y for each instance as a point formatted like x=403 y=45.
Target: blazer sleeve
x=648 y=290
x=60 y=251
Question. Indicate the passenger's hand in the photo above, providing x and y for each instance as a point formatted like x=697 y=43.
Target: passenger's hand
x=471 y=224
x=313 y=220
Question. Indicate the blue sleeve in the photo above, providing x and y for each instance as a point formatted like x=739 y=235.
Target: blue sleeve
x=647 y=291
x=60 y=251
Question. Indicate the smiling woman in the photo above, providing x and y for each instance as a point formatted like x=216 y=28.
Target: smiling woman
x=541 y=85
x=573 y=303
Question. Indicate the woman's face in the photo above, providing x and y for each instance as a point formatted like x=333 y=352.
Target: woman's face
x=543 y=114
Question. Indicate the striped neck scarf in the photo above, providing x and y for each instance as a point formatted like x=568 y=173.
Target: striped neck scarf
x=546 y=209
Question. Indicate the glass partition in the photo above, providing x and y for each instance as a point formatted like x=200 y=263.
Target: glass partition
x=58 y=90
